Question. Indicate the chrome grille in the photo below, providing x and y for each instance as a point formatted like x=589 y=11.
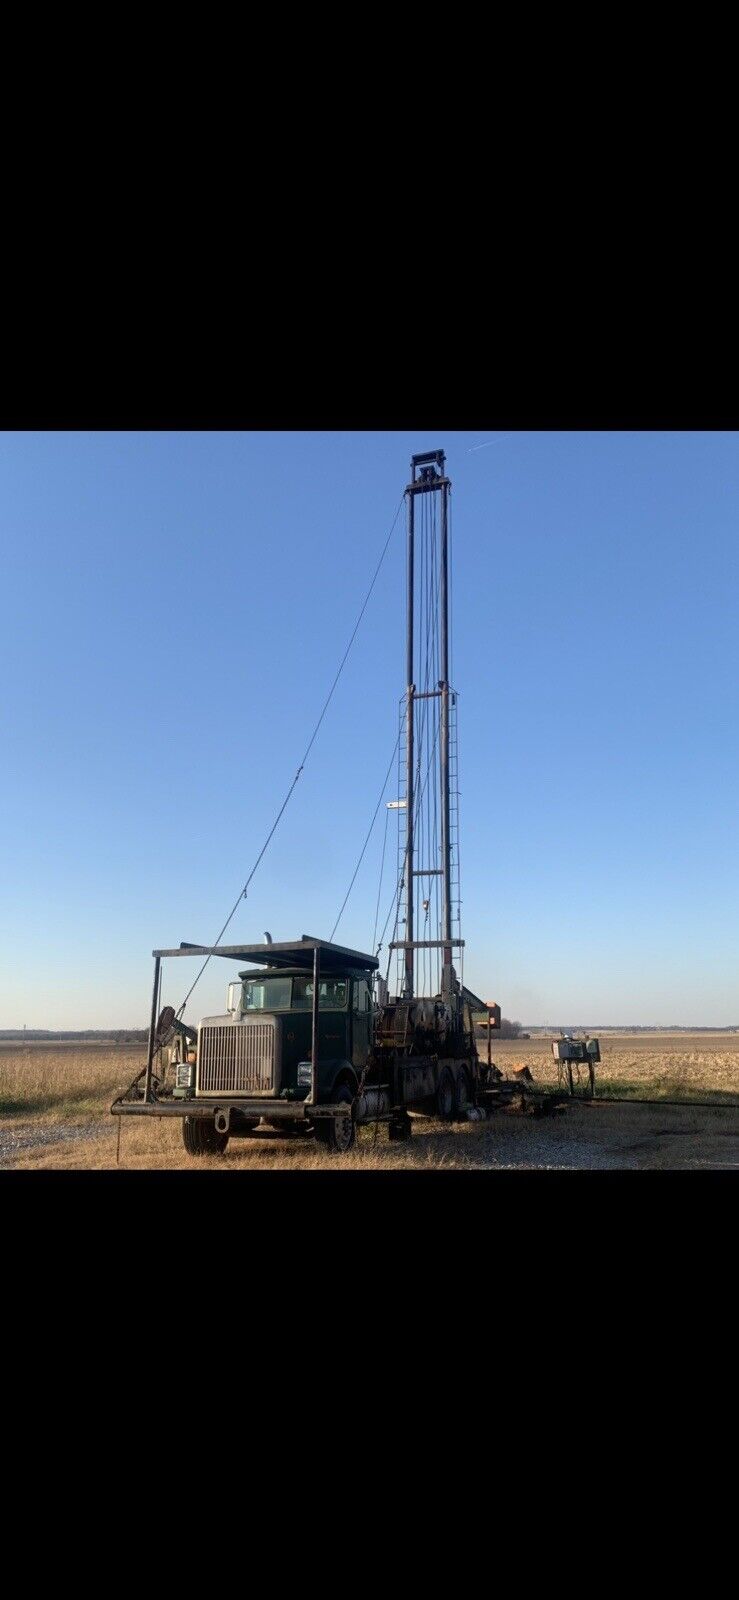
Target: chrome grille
x=237 y=1058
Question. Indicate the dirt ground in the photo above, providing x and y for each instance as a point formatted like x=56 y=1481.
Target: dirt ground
x=54 y=1113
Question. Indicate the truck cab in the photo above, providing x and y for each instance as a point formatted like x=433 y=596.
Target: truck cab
x=262 y=1045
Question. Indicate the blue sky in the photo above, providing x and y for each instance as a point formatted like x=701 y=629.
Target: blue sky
x=174 y=610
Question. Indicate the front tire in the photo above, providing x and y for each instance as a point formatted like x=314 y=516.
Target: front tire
x=200 y=1138
x=341 y=1132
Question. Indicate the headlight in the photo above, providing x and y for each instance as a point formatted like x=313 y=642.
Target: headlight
x=305 y=1073
x=184 y=1075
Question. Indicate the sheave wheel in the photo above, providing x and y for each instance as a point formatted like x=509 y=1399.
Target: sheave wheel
x=461 y=1096
x=341 y=1130
x=200 y=1138
x=445 y=1096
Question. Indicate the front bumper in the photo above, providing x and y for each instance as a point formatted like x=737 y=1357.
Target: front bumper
x=275 y=1110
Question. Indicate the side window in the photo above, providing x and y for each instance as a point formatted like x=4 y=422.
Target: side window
x=361 y=996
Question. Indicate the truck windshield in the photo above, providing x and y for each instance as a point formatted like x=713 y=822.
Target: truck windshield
x=331 y=994
x=267 y=994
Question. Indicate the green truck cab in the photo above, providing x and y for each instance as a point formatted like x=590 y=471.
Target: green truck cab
x=293 y=1047
x=263 y=1045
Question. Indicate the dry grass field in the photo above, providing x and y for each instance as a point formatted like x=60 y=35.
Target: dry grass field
x=643 y=1065
x=54 y=1112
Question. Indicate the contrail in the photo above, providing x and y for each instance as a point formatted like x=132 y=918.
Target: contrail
x=496 y=440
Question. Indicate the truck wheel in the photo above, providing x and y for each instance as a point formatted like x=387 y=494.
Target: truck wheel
x=445 y=1096
x=341 y=1131
x=461 y=1096
x=200 y=1138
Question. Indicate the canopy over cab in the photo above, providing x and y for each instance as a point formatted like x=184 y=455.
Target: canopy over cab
x=318 y=957
x=300 y=955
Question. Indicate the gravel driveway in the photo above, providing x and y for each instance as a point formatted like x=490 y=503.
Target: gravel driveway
x=18 y=1136
x=602 y=1135
x=617 y=1136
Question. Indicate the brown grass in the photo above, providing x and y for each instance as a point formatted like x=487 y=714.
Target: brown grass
x=69 y=1092
x=59 y=1085
x=151 y=1144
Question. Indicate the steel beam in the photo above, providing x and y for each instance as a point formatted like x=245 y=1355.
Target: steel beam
x=409 y=795
x=425 y=944
x=314 y=1042
x=273 y=1110
x=423 y=458
x=152 y=1028
x=446 y=898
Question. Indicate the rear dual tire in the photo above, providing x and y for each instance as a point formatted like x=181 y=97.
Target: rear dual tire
x=453 y=1096
x=461 y=1096
x=445 y=1097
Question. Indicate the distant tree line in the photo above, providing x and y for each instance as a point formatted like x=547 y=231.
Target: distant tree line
x=117 y=1035
x=510 y=1030
x=507 y=1029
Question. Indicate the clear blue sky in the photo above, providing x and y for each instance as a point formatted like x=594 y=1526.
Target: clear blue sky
x=174 y=610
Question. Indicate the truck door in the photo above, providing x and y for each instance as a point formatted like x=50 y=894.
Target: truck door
x=334 y=1018
x=361 y=1020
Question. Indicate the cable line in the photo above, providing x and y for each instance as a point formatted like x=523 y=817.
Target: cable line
x=367 y=840
x=382 y=871
x=309 y=747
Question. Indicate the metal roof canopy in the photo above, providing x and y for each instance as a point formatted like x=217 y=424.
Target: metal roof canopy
x=299 y=954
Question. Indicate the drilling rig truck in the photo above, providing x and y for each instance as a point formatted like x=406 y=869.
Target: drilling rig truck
x=311 y=1037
